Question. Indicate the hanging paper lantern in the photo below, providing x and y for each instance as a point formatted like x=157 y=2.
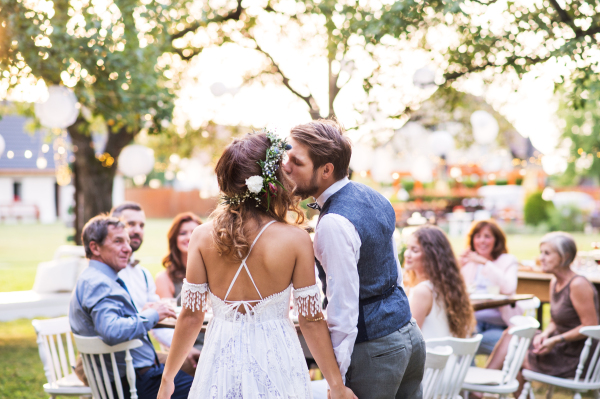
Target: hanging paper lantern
x=411 y=138
x=41 y=162
x=424 y=77
x=441 y=143
x=136 y=160
x=485 y=127
x=2 y=145
x=362 y=158
x=382 y=168
x=422 y=170
x=218 y=89
x=59 y=110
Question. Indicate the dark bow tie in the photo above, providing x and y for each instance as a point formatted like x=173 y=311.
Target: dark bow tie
x=314 y=205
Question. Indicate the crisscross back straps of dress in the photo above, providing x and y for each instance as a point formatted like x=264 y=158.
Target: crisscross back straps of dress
x=245 y=266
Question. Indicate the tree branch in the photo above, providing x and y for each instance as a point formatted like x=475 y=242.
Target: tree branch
x=309 y=100
x=235 y=15
x=564 y=16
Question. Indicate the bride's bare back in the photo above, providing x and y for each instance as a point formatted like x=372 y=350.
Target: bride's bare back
x=281 y=255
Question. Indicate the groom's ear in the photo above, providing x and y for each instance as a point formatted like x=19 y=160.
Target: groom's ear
x=327 y=171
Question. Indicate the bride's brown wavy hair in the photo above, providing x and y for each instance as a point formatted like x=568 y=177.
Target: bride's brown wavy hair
x=239 y=162
x=441 y=266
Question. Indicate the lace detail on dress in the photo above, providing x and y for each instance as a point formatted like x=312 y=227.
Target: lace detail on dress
x=307 y=301
x=194 y=296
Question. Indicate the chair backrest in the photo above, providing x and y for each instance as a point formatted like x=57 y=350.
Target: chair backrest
x=92 y=351
x=435 y=364
x=529 y=306
x=53 y=336
x=593 y=372
x=463 y=351
x=518 y=346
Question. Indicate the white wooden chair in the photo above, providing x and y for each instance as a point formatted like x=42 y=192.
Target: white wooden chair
x=504 y=382
x=463 y=351
x=92 y=351
x=591 y=382
x=435 y=365
x=58 y=357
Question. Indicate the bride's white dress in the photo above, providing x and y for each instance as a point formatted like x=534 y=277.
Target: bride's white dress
x=256 y=354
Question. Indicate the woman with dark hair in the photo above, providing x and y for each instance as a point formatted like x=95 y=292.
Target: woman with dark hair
x=488 y=269
x=170 y=281
x=244 y=264
x=438 y=297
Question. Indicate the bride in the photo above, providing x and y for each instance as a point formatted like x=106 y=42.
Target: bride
x=245 y=264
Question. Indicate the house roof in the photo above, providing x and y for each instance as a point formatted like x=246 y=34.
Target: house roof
x=18 y=140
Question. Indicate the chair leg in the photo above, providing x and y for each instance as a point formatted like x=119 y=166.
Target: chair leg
x=577 y=395
x=550 y=392
x=526 y=390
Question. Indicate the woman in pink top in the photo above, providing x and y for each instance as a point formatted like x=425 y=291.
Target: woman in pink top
x=488 y=269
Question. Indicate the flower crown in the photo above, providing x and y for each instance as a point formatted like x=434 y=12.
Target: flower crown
x=265 y=185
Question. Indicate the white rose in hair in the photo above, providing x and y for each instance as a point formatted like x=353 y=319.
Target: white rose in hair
x=255 y=184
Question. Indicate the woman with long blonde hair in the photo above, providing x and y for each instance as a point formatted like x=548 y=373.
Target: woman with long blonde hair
x=246 y=264
x=438 y=296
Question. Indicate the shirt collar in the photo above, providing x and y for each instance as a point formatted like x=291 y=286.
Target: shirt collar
x=132 y=260
x=334 y=188
x=104 y=269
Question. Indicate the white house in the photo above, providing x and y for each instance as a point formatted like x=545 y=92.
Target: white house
x=28 y=187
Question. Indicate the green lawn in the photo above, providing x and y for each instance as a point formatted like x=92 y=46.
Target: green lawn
x=22 y=247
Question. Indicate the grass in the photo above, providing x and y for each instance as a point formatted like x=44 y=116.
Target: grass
x=21 y=371
x=23 y=246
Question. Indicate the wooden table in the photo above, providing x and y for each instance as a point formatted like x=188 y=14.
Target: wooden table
x=538 y=284
x=480 y=304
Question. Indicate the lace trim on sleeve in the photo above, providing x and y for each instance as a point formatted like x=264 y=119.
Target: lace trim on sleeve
x=307 y=301
x=194 y=296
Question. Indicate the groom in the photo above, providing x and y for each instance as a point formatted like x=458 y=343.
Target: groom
x=378 y=346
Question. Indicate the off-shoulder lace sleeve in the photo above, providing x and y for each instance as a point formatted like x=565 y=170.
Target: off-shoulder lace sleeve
x=307 y=301
x=194 y=296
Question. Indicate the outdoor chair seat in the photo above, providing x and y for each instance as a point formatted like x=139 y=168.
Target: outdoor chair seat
x=504 y=382
x=581 y=383
x=55 y=346
x=69 y=385
x=567 y=383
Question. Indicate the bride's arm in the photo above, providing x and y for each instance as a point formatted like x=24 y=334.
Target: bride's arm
x=312 y=323
x=194 y=302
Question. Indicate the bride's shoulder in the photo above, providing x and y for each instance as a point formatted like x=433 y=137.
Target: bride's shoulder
x=202 y=231
x=285 y=232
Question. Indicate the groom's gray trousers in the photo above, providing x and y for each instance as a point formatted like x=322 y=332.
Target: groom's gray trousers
x=389 y=367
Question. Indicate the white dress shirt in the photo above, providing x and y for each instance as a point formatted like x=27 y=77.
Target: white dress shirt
x=140 y=284
x=337 y=247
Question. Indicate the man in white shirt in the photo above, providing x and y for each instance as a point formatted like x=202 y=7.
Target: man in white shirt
x=378 y=346
x=138 y=279
x=140 y=282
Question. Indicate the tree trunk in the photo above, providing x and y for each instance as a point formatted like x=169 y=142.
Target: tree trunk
x=94 y=178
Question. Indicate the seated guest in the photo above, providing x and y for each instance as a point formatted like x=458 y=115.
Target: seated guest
x=170 y=281
x=138 y=279
x=488 y=269
x=573 y=304
x=102 y=306
x=438 y=296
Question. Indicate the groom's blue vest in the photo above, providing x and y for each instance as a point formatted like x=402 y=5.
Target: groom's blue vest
x=383 y=306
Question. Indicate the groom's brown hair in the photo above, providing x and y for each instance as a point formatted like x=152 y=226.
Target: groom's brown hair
x=326 y=143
